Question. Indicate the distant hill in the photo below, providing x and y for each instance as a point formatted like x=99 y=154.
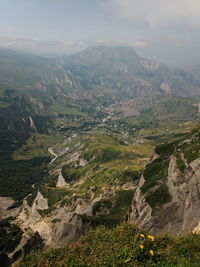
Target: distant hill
x=121 y=72
x=81 y=85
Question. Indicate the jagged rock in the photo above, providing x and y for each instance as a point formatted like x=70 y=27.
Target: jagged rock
x=140 y=211
x=61 y=180
x=69 y=231
x=174 y=173
x=32 y=125
x=166 y=87
x=50 y=150
x=153 y=156
x=45 y=231
x=5 y=204
x=182 y=213
x=40 y=203
x=83 y=162
x=197 y=229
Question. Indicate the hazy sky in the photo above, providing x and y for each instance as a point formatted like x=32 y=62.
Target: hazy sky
x=167 y=21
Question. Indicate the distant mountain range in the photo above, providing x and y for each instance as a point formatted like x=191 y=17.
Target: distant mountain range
x=170 y=54
x=37 y=87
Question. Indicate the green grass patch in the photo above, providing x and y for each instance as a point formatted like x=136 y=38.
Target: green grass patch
x=121 y=247
x=118 y=207
x=155 y=172
x=191 y=151
x=101 y=205
x=53 y=195
x=159 y=197
x=37 y=146
x=180 y=162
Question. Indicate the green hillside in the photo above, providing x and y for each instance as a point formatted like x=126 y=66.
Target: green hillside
x=125 y=245
x=82 y=138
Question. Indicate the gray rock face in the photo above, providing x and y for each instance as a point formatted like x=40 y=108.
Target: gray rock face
x=61 y=181
x=140 y=212
x=69 y=230
x=40 y=203
x=182 y=213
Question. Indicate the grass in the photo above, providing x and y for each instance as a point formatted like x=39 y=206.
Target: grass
x=122 y=246
x=117 y=207
x=159 y=197
x=37 y=146
x=165 y=131
x=172 y=109
x=101 y=205
x=64 y=109
x=180 y=162
x=191 y=151
x=111 y=163
x=53 y=195
x=155 y=173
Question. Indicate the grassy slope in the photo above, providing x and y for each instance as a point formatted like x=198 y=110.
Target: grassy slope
x=111 y=164
x=172 y=108
x=121 y=247
x=185 y=149
x=37 y=146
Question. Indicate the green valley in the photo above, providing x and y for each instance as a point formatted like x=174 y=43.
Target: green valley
x=91 y=141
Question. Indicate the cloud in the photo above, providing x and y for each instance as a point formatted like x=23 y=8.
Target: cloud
x=157 y=12
x=99 y=41
x=139 y=43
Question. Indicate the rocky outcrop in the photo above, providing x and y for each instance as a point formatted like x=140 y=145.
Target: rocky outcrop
x=182 y=213
x=69 y=230
x=61 y=181
x=32 y=125
x=31 y=221
x=40 y=203
x=196 y=230
x=5 y=210
x=140 y=211
x=50 y=150
x=166 y=87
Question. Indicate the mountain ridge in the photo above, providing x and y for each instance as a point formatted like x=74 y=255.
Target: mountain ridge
x=100 y=138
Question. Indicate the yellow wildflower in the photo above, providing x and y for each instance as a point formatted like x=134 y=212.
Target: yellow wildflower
x=151 y=237
x=141 y=235
x=141 y=246
x=151 y=252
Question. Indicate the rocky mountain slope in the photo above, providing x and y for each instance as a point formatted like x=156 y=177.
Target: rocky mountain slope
x=120 y=71
x=97 y=138
x=167 y=198
x=102 y=180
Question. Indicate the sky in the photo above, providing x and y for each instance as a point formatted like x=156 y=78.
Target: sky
x=143 y=23
x=172 y=21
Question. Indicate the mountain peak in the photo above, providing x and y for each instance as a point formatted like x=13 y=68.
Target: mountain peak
x=95 y=55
